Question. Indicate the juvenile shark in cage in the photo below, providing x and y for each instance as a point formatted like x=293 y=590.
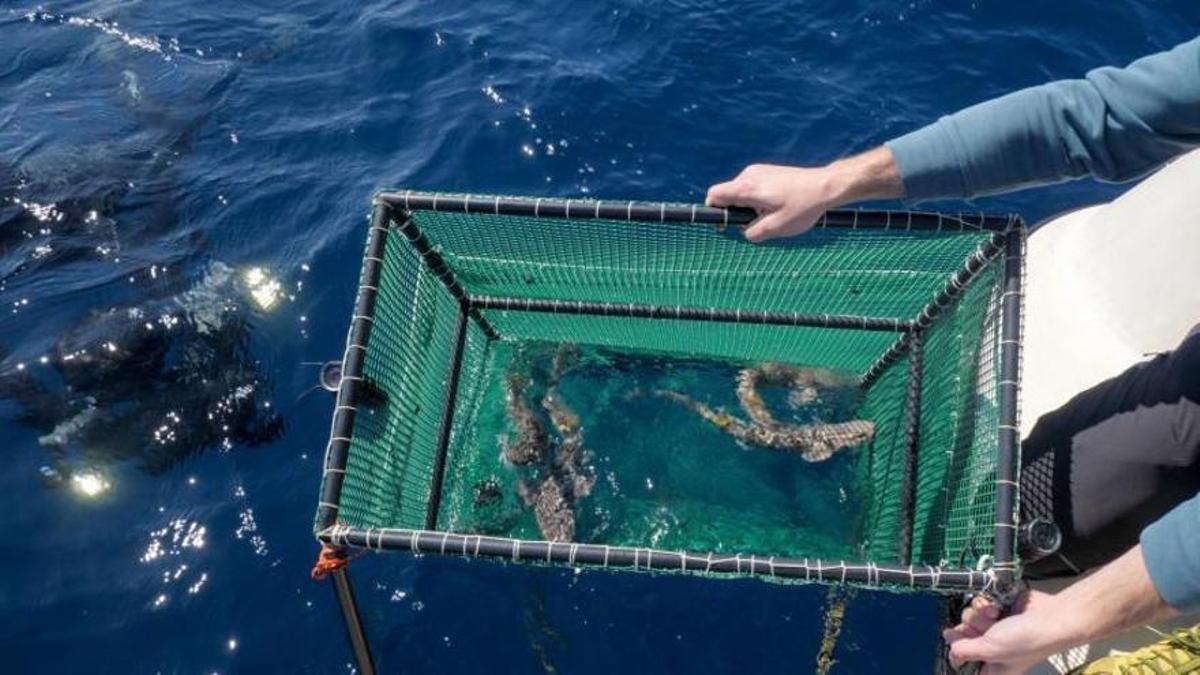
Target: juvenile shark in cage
x=555 y=490
x=813 y=442
x=531 y=440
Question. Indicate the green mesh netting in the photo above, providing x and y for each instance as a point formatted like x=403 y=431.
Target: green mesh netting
x=873 y=273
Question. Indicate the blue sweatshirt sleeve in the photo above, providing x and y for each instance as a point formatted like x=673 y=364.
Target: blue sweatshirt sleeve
x=1171 y=549
x=1115 y=124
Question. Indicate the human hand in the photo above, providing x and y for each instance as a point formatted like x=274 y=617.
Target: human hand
x=1008 y=646
x=790 y=199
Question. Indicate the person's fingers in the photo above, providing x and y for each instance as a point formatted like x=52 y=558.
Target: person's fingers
x=764 y=228
x=970 y=649
x=728 y=193
x=962 y=630
x=980 y=616
x=982 y=602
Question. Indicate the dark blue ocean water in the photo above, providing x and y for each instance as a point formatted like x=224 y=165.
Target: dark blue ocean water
x=182 y=196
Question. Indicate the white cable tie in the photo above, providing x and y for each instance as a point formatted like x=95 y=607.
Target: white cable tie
x=568 y=211
x=537 y=207
x=629 y=211
x=496 y=205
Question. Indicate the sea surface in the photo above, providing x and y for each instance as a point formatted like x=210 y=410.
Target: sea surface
x=183 y=190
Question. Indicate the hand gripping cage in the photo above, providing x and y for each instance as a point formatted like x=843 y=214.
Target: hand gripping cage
x=926 y=306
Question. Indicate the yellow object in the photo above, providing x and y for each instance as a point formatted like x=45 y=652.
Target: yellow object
x=1178 y=652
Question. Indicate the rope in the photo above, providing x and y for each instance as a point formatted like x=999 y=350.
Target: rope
x=331 y=559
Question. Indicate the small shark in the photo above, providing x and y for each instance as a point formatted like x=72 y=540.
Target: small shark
x=529 y=446
x=813 y=442
x=570 y=457
x=804 y=384
x=552 y=505
x=562 y=478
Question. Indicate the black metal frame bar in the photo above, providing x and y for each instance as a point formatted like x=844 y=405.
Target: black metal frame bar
x=625 y=557
x=454 y=370
x=912 y=440
x=338 y=448
x=662 y=212
x=690 y=313
x=394 y=208
x=344 y=591
x=1009 y=445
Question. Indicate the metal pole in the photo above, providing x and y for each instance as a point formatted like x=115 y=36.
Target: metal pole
x=443 y=440
x=912 y=439
x=1008 y=450
x=658 y=212
x=354 y=626
x=338 y=449
x=626 y=557
x=679 y=312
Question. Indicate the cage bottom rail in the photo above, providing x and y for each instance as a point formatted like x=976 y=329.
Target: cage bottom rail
x=636 y=558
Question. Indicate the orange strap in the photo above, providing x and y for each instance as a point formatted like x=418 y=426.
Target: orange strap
x=329 y=560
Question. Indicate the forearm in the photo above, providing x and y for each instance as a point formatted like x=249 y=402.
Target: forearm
x=870 y=175
x=1116 y=598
